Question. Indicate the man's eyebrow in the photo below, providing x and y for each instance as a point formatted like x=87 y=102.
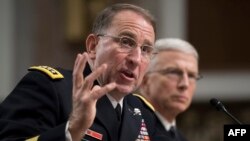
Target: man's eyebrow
x=133 y=36
x=172 y=68
x=129 y=34
x=147 y=42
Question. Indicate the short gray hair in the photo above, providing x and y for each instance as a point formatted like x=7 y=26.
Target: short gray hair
x=176 y=44
x=172 y=44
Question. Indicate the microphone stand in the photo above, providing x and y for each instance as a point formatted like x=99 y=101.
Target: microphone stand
x=220 y=107
x=232 y=117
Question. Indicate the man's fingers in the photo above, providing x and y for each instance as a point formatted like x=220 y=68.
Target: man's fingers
x=98 y=92
x=79 y=66
x=94 y=75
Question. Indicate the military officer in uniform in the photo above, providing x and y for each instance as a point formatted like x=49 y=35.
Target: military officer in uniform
x=170 y=84
x=92 y=102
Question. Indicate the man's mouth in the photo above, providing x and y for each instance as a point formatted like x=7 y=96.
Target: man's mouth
x=128 y=74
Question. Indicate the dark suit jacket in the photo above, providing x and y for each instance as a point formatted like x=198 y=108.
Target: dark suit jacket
x=40 y=106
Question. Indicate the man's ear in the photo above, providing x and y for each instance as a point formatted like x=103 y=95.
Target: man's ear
x=144 y=80
x=144 y=84
x=91 y=44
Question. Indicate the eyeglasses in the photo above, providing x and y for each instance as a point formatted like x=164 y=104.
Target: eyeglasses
x=128 y=44
x=177 y=75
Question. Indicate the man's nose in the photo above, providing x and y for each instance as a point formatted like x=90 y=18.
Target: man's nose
x=135 y=55
x=184 y=81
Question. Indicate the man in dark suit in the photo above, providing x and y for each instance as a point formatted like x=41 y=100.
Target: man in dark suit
x=170 y=84
x=56 y=105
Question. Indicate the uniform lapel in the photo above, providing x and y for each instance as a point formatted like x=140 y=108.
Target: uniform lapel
x=107 y=116
x=131 y=123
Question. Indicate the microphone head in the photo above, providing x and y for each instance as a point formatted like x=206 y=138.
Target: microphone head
x=215 y=102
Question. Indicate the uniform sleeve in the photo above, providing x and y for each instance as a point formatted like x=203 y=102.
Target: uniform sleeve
x=32 y=111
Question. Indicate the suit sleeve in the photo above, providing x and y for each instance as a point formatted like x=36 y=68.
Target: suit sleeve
x=32 y=111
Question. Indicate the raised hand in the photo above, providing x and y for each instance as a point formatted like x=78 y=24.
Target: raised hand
x=85 y=96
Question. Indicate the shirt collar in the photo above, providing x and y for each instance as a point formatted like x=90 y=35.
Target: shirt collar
x=167 y=125
x=114 y=102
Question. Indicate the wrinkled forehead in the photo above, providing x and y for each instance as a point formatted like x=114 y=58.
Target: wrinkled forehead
x=131 y=22
x=124 y=13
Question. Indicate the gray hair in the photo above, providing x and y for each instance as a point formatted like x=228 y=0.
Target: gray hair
x=172 y=44
x=176 y=44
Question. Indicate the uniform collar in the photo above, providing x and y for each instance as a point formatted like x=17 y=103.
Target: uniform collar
x=114 y=102
x=167 y=125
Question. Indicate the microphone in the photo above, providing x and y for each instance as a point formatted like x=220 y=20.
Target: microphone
x=220 y=107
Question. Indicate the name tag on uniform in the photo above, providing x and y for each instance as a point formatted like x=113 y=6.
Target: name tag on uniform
x=94 y=134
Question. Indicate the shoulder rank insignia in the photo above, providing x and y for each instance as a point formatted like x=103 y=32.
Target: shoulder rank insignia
x=145 y=101
x=33 y=139
x=51 y=72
